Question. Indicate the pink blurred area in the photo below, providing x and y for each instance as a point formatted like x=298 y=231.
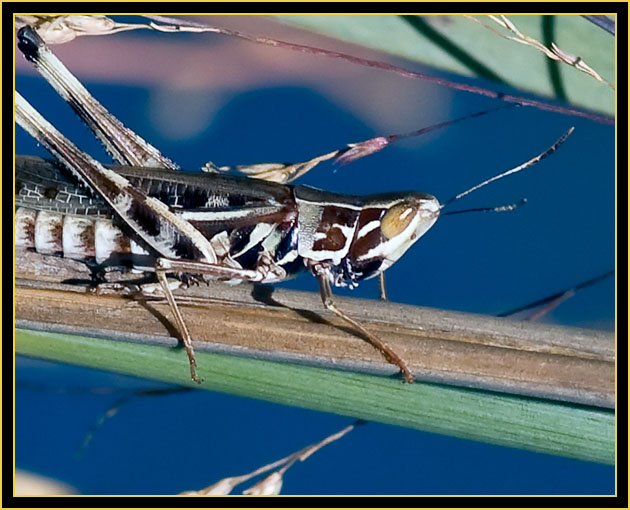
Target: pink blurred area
x=209 y=68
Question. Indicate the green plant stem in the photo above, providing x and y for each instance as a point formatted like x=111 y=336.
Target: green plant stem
x=556 y=428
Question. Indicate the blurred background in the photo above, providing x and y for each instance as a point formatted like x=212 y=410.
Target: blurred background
x=200 y=97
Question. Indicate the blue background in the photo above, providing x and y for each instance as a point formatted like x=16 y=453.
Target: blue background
x=482 y=263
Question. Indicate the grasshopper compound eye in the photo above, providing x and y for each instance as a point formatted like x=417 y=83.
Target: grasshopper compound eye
x=397 y=219
x=410 y=218
x=405 y=222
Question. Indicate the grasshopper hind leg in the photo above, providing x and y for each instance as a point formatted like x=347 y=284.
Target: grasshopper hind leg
x=192 y=269
x=181 y=325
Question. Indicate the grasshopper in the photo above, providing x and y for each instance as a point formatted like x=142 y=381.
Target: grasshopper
x=211 y=225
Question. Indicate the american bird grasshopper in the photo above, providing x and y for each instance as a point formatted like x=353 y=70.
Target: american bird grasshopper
x=212 y=226
x=408 y=268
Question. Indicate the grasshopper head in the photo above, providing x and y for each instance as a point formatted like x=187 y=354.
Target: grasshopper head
x=386 y=228
x=403 y=223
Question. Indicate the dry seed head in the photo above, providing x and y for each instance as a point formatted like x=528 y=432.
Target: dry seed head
x=270 y=485
x=222 y=487
x=361 y=149
x=62 y=29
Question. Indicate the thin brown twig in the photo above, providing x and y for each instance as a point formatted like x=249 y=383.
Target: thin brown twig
x=551 y=302
x=509 y=98
x=113 y=409
x=105 y=26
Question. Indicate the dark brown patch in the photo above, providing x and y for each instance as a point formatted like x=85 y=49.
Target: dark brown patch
x=87 y=238
x=370 y=240
x=368 y=215
x=185 y=249
x=27 y=227
x=96 y=180
x=123 y=243
x=146 y=217
x=56 y=230
x=332 y=214
x=29 y=232
x=365 y=243
x=51 y=193
x=239 y=238
x=54 y=233
x=335 y=240
x=109 y=189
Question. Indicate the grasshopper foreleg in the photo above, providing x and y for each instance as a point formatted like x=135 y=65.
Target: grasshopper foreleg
x=381 y=286
x=388 y=353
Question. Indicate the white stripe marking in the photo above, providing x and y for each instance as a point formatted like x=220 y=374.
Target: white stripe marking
x=365 y=229
x=226 y=215
x=260 y=232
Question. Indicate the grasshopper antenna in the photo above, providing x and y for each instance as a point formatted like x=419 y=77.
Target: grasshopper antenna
x=499 y=208
x=514 y=170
